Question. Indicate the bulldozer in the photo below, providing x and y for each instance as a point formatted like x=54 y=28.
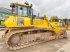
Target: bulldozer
x=67 y=23
x=25 y=29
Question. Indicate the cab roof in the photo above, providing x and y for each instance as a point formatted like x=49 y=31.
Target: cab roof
x=25 y=4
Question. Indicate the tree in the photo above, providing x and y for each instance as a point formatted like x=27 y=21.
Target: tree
x=54 y=18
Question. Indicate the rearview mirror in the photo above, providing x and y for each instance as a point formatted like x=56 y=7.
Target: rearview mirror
x=34 y=16
x=12 y=5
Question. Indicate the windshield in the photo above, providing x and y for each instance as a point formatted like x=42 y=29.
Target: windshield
x=30 y=11
x=23 y=11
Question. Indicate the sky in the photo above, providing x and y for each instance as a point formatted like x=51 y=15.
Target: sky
x=60 y=8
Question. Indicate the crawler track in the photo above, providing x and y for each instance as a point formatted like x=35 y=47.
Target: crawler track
x=17 y=39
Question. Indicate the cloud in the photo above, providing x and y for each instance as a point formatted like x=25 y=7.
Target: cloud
x=50 y=7
x=61 y=8
x=62 y=11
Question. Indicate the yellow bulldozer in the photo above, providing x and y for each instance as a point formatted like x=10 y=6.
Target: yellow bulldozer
x=67 y=23
x=25 y=29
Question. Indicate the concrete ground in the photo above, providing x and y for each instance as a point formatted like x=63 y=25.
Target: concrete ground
x=51 y=46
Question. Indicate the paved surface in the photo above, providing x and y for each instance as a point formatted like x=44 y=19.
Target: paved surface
x=66 y=47
x=51 y=46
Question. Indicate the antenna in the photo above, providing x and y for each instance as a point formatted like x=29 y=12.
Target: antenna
x=26 y=3
x=38 y=14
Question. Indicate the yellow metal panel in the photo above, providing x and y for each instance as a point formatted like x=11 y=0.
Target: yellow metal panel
x=12 y=21
x=54 y=24
x=40 y=23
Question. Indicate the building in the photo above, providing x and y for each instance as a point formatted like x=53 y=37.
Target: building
x=4 y=13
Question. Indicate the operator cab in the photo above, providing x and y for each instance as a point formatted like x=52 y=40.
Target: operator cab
x=21 y=15
x=22 y=9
